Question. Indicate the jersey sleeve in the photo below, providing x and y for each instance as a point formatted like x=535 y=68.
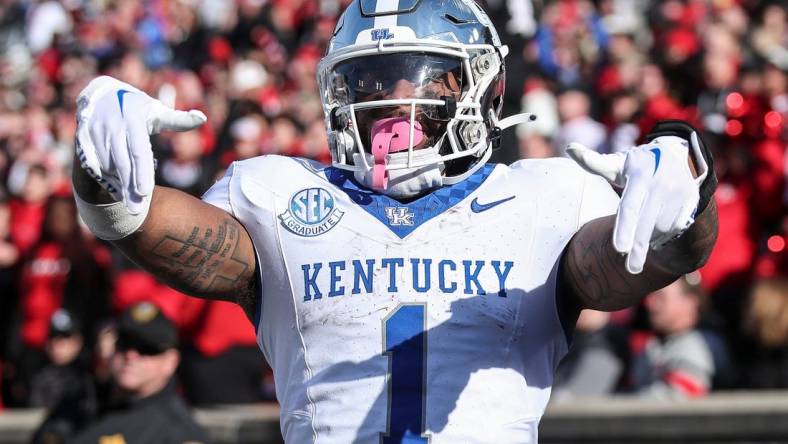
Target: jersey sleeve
x=219 y=194
x=561 y=181
x=598 y=199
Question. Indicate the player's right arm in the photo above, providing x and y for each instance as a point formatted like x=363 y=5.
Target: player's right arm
x=192 y=246
x=662 y=228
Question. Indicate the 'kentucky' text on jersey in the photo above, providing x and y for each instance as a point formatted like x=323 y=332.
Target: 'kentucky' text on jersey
x=418 y=276
x=425 y=313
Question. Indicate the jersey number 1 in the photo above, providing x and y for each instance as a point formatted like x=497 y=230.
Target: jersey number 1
x=405 y=343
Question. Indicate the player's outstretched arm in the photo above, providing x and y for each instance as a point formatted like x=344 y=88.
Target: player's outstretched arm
x=190 y=245
x=595 y=272
x=195 y=248
x=656 y=235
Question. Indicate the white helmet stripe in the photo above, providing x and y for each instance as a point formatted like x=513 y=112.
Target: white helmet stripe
x=386 y=21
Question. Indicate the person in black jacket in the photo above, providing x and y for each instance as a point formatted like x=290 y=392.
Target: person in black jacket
x=144 y=363
x=66 y=375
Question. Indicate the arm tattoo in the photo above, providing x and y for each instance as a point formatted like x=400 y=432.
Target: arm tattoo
x=212 y=258
x=593 y=271
x=197 y=259
x=591 y=267
x=192 y=246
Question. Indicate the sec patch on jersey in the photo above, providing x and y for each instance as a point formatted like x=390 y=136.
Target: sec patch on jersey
x=311 y=212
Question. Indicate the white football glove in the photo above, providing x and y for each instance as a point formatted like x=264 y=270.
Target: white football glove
x=114 y=124
x=660 y=195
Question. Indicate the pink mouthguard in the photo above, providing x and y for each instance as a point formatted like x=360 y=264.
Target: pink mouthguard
x=390 y=135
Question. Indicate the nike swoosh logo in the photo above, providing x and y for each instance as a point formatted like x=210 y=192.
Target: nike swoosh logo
x=657 y=154
x=476 y=207
x=121 y=93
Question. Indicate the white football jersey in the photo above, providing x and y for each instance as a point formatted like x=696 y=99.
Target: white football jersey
x=430 y=321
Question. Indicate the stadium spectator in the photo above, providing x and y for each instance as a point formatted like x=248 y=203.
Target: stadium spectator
x=67 y=268
x=246 y=135
x=65 y=386
x=596 y=361
x=186 y=168
x=574 y=107
x=315 y=145
x=538 y=99
x=676 y=360
x=222 y=347
x=28 y=210
x=103 y=350
x=766 y=350
x=658 y=104
x=533 y=145
x=9 y=257
x=65 y=377
x=625 y=108
x=218 y=343
x=768 y=38
x=143 y=365
x=569 y=39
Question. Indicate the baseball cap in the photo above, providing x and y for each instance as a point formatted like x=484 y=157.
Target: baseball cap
x=63 y=323
x=144 y=328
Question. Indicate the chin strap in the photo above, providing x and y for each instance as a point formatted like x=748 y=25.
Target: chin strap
x=500 y=125
x=515 y=120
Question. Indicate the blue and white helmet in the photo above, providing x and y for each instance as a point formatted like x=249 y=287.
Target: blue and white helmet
x=412 y=93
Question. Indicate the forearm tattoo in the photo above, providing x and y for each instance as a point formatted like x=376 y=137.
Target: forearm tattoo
x=594 y=271
x=206 y=258
x=593 y=266
x=203 y=260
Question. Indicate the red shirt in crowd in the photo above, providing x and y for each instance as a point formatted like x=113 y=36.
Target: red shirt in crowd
x=26 y=222
x=211 y=326
x=734 y=251
x=44 y=278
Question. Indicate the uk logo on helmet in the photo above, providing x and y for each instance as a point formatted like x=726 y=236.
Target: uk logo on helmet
x=382 y=34
x=311 y=212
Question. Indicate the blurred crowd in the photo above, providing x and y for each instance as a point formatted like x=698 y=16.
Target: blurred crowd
x=596 y=72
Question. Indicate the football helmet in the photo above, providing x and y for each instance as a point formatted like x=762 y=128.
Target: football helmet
x=412 y=92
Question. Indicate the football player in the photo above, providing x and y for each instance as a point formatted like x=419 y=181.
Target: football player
x=411 y=292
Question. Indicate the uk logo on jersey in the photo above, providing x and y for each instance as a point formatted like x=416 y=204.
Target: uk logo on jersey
x=399 y=216
x=311 y=212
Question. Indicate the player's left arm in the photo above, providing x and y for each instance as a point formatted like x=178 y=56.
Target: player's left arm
x=656 y=235
x=595 y=273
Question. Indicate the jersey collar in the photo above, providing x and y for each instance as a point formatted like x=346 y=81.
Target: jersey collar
x=404 y=218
